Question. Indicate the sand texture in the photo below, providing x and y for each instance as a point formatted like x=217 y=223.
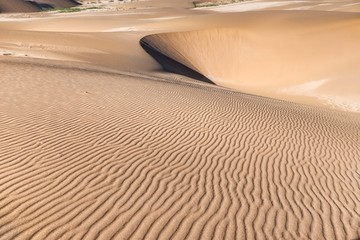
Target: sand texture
x=130 y=157
x=257 y=136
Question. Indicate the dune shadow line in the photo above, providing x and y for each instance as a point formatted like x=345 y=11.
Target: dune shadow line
x=170 y=65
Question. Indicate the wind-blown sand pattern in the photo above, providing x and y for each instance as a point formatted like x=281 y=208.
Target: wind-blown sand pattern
x=110 y=159
x=97 y=142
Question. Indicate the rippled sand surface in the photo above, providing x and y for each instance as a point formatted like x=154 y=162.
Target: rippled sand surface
x=98 y=142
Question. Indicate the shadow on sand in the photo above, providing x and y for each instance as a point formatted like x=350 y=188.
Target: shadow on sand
x=171 y=65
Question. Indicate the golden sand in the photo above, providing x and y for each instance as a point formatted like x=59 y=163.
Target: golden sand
x=97 y=142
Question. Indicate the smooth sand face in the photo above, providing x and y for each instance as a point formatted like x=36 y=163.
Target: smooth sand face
x=97 y=143
x=275 y=53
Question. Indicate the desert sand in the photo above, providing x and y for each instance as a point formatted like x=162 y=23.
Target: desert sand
x=97 y=141
x=23 y=6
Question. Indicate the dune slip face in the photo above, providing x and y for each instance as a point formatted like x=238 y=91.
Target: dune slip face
x=267 y=53
x=172 y=65
x=87 y=154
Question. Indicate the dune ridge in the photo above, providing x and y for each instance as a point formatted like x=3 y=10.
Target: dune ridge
x=104 y=157
x=172 y=65
x=282 y=50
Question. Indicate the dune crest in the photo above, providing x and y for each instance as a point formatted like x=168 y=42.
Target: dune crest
x=283 y=50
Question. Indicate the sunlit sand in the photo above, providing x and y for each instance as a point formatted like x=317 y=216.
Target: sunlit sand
x=157 y=120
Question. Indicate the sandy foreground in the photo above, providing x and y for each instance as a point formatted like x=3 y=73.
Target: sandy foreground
x=97 y=142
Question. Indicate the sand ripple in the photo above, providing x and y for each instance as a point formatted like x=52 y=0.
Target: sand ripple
x=91 y=155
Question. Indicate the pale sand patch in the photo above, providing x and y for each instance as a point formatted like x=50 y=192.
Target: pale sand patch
x=141 y=28
x=346 y=102
x=311 y=6
x=126 y=29
x=324 y=5
x=250 y=6
x=305 y=88
x=352 y=4
x=163 y=18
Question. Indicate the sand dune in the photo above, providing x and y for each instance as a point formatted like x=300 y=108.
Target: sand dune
x=21 y=6
x=58 y=3
x=290 y=48
x=7 y=6
x=87 y=154
x=323 y=5
x=97 y=142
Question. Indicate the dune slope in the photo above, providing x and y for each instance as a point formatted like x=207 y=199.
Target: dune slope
x=87 y=154
x=271 y=52
x=58 y=3
x=22 y=6
x=7 y=6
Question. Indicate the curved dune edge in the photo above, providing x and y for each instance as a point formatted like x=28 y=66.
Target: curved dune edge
x=172 y=65
x=272 y=57
x=94 y=155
